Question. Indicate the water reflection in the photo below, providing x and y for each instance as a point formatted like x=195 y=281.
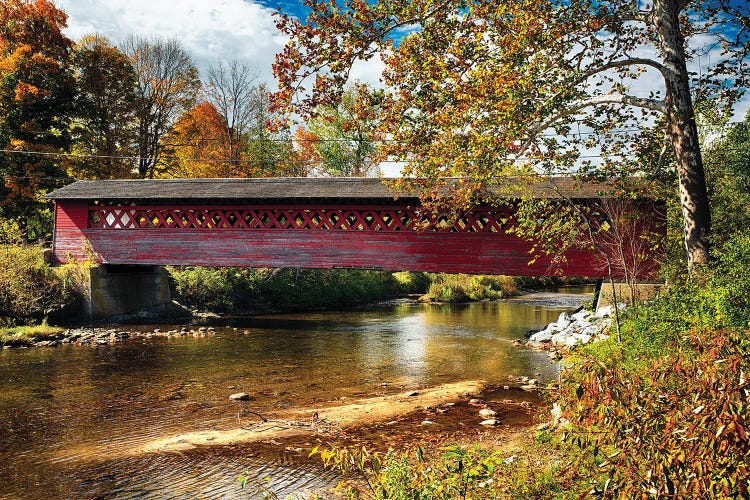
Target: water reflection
x=70 y=416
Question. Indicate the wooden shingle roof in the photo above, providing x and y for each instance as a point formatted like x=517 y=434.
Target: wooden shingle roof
x=213 y=189
x=297 y=189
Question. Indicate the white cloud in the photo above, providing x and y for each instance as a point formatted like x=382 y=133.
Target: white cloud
x=368 y=72
x=209 y=30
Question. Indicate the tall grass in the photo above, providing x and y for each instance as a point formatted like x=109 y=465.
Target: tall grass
x=25 y=335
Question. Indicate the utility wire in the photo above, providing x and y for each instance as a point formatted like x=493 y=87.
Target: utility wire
x=254 y=161
x=292 y=139
x=557 y=172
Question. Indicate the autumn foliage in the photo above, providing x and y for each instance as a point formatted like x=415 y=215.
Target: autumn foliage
x=105 y=107
x=679 y=429
x=93 y=110
x=36 y=91
x=195 y=145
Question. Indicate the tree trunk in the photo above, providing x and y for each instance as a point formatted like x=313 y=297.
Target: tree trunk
x=683 y=132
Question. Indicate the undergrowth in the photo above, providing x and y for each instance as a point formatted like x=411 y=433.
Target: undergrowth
x=663 y=413
x=30 y=289
x=671 y=402
x=234 y=290
x=524 y=467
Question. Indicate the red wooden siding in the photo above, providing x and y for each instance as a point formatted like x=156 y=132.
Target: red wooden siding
x=379 y=237
x=414 y=251
x=71 y=220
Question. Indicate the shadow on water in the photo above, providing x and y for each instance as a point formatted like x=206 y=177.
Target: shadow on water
x=70 y=417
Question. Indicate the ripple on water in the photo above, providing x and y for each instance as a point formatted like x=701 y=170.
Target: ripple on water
x=211 y=474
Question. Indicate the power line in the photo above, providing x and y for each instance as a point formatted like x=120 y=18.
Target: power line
x=555 y=172
x=293 y=140
x=255 y=161
x=371 y=140
x=623 y=156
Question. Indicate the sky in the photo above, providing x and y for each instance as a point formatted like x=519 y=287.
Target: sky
x=214 y=29
x=209 y=29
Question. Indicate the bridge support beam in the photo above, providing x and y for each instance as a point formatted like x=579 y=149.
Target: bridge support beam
x=121 y=290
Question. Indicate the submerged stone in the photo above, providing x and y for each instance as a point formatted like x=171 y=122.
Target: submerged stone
x=240 y=396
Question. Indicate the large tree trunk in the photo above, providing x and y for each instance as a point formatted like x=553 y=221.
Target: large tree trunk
x=683 y=132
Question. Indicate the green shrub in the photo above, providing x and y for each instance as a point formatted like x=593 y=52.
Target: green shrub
x=232 y=290
x=715 y=298
x=729 y=289
x=527 y=471
x=29 y=288
x=10 y=232
x=505 y=286
x=220 y=289
x=457 y=473
x=447 y=292
x=409 y=282
x=670 y=404
x=314 y=288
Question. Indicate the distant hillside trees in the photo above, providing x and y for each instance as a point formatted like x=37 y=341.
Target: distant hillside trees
x=93 y=109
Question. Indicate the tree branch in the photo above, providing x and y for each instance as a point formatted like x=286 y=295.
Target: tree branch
x=652 y=104
x=631 y=61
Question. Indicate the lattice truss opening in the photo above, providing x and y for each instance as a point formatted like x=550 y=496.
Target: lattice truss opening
x=477 y=220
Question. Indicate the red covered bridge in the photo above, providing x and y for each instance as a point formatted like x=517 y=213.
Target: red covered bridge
x=299 y=222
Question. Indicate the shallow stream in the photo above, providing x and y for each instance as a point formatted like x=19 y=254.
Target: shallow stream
x=71 y=416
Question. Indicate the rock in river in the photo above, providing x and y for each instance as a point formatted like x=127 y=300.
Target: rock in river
x=240 y=396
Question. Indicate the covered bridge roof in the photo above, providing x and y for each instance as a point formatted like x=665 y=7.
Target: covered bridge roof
x=298 y=189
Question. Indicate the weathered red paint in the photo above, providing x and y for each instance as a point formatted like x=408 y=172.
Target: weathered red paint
x=68 y=240
x=371 y=237
x=479 y=253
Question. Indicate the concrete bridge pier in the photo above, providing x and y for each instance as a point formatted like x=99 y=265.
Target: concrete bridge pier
x=116 y=290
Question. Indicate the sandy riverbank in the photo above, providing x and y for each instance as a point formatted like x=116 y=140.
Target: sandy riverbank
x=310 y=421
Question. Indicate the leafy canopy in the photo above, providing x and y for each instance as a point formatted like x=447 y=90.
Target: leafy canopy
x=342 y=138
x=105 y=103
x=485 y=88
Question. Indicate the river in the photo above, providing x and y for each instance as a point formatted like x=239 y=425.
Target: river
x=71 y=416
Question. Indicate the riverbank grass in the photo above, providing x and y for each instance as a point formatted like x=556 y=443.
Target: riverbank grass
x=453 y=288
x=526 y=464
x=26 y=335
